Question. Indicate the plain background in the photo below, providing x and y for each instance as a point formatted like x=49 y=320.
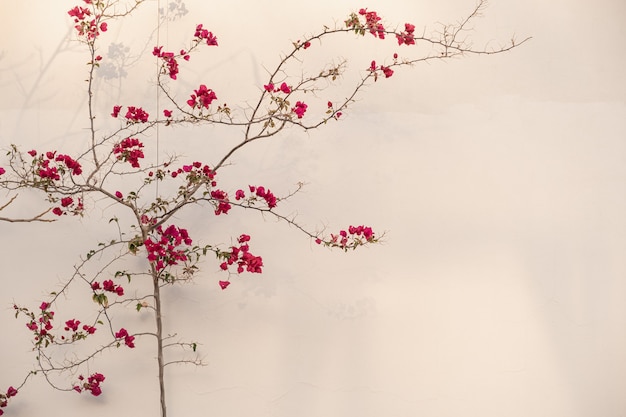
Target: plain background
x=499 y=181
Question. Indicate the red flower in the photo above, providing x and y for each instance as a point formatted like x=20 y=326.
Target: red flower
x=116 y=112
x=224 y=284
x=11 y=392
x=128 y=339
x=202 y=33
x=203 y=97
x=285 y=88
x=129 y=150
x=136 y=114
x=72 y=324
x=387 y=71
x=299 y=109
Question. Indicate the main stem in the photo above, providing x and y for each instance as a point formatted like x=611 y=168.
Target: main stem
x=159 y=335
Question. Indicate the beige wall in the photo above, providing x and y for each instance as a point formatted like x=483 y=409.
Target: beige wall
x=499 y=289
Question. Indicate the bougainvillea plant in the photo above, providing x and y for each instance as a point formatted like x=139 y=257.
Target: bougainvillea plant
x=170 y=253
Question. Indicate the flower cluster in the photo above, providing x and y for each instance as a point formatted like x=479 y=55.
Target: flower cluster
x=388 y=72
x=128 y=339
x=241 y=256
x=107 y=286
x=48 y=171
x=270 y=88
x=260 y=191
x=203 y=34
x=136 y=114
x=337 y=115
x=50 y=167
x=372 y=23
x=165 y=250
x=73 y=324
x=352 y=238
x=299 y=109
x=42 y=328
x=169 y=60
x=129 y=150
x=220 y=199
x=11 y=392
x=202 y=98
x=69 y=205
x=195 y=172
x=85 y=27
x=407 y=36
x=92 y=384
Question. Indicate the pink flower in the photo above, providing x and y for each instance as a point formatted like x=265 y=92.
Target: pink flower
x=202 y=33
x=72 y=324
x=66 y=201
x=11 y=392
x=103 y=26
x=128 y=339
x=118 y=194
x=136 y=114
x=306 y=44
x=92 y=384
x=89 y=329
x=299 y=109
x=116 y=112
x=167 y=113
x=71 y=163
x=407 y=36
x=129 y=150
x=269 y=87
x=79 y=13
x=32 y=153
x=202 y=98
x=2 y=171
x=387 y=71
x=371 y=23
x=224 y=284
x=285 y=88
